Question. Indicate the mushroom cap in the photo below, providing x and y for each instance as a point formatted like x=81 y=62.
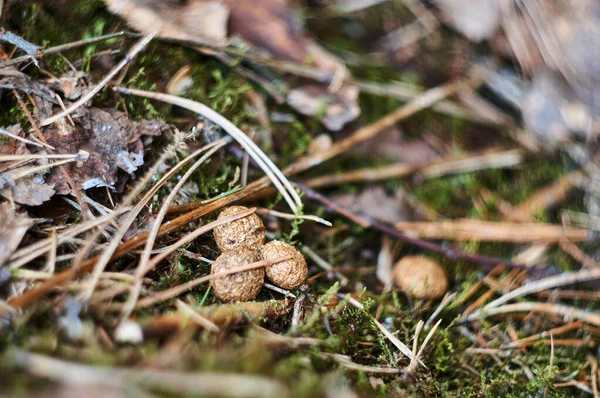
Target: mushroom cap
x=247 y=231
x=241 y=286
x=420 y=277
x=286 y=274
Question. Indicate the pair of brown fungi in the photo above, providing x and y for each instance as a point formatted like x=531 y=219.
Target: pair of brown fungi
x=242 y=242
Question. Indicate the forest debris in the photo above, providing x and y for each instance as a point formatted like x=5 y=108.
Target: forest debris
x=490 y=231
x=170 y=381
x=546 y=197
x=112 y=140
x=181 y=81
x=222 y=315
x=23 y=185
x=13 y=226
x=271 y=25
x=34 y=51
x=376 y=203
x=477 y=20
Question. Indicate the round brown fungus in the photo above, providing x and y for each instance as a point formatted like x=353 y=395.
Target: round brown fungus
x=420 y=277
x=247 y=231
x=286 y=274
x=241 y=286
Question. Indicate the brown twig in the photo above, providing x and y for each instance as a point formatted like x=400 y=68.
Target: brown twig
x=483 y=261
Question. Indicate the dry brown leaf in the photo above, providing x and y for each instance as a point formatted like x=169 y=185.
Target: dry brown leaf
x=112 y=141
x=268 y=25
x=13 y=226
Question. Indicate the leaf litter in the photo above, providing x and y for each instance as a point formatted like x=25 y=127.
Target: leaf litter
x=74 y=307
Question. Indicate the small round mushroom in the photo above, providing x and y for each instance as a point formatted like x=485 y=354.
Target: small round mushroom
x=420 y=277
x=287 y=274
x=247 y=231
x=241 y=286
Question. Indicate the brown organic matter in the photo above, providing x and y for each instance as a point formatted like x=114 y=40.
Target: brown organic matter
x=246 y=232
x=286 y=274
x=241 y=286
x=420 y=277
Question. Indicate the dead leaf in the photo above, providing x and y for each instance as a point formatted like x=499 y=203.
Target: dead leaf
x=30 y=190
x=187 y=20
x=13 y=226
x=337 y=109
x=267 y=25
x=377 y=203
x=112 y=141
x=391 y=144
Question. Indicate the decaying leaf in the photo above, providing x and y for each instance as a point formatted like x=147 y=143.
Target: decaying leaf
x=112 y=141
x=377 y=203
x=71 y=84
x=13 y=226
x=31 y=189
x=110 y=137
x=268 y=25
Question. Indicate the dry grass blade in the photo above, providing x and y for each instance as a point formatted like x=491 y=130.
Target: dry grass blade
x=75 y=156
x=16 y=137
x=145 y=257
x=132 y=216
x=395 y=341
x=31 y=252
x=199 y=383
x=437 y=168
x=567 y=278
x=275 y=175
x=196 y=317
x=569 y=313
x=134 y=51
x=63 y=47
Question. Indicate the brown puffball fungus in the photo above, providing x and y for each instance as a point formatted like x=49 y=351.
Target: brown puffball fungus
x=241 y=286
x=247 y=231
x=287 y=274
x=420 y=277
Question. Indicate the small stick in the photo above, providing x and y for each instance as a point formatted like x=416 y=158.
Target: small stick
x=25 y=140
x=33 y=51
x=134 y=51
x=366 y=221
x=567 y=278
x=81 y=155
x=62 y=47
x=196 y=317
x=293 y=217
